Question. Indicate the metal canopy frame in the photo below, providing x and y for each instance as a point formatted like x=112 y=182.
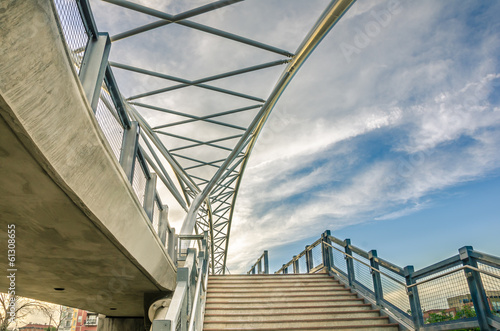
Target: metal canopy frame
x=209 y=196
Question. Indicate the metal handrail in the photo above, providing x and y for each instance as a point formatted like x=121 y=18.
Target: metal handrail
x=264 y=256
x=301 y=254
x=366 y=264
x=468 y=261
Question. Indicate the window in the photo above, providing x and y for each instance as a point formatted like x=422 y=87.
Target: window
x=80 y=319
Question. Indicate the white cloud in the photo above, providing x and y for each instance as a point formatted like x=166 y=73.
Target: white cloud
x=352 y=139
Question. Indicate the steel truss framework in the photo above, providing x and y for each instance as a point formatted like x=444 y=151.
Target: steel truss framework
x=207 y=186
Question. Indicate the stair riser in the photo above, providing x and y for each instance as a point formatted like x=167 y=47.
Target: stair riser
x=285 y=318
x=233 y=299
x=275 y=287
x=364 y=328
x=295 y=324
x=270 y=305
x=288 y=294
x=281 y=310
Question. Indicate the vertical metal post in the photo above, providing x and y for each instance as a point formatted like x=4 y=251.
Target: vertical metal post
x=285 y=270
x=296 y=269
x=416 y=309
x=377 y=282
x=129 y=150
x=477 y=293
x=309 y=259
x=327 y=251
x=349 y=262
x=150 y=196
x=163 y=227
x=266 y=262
x=94 y=66
x=253 y=270
x=172 y=245
x=259 y=266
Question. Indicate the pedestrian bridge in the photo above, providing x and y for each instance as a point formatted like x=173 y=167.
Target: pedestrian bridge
x=81 y=171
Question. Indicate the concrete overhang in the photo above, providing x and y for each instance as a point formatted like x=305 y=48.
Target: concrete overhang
x=79 y=225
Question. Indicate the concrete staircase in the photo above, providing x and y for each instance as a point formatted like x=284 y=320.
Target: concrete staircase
x=287 y=302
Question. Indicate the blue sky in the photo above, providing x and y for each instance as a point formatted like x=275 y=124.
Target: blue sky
x=396 y=146
x=388 y=135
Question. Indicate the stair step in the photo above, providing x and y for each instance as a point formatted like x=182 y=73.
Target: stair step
x=319 y=275
x=291 y=293
x=383 y=327
x=287 y=302
x=280 y=309
x=304 y=322
x=284 y=298
x=288 y=317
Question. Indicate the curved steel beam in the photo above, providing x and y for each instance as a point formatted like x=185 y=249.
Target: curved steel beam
x=331 y=15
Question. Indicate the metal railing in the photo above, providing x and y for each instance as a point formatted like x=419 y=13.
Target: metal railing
x=187 y=307
x=262 y=265
x=462 y=292
x=82 y=40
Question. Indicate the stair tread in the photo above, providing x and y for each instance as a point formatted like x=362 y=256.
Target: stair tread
x=287 y=302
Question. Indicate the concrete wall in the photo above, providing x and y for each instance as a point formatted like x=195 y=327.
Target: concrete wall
x=79 y=224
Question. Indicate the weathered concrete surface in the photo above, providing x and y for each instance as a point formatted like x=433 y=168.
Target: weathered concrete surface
x=79 y=225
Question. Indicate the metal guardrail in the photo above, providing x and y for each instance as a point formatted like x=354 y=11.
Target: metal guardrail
x=187 y=306
x=462 y=292
x=262 y=265
x=89 y=50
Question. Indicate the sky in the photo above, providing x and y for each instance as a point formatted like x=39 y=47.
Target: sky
x=388 y=135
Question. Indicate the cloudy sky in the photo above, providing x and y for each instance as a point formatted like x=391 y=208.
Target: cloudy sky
x=388 y=135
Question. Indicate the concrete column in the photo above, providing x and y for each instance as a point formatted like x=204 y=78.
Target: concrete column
x=120 y=324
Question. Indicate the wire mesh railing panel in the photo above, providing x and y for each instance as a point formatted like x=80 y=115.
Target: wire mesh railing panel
x=339 y=261
x=491 y=287
x=74 y=30
x=394 y=292
x=139 y=181
x=302 y=265
x=156 y=216
x=317 y=255
x=445 y=298
x=362 y=273
x=110 y=124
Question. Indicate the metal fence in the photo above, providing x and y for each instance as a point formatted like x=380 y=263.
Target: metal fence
x=74 y=31
x=462 y=292
x=122 y=135
x=261 y=266
x=186 y=310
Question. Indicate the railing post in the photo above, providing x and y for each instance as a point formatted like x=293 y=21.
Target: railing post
x=266 y=262
x=478 y=295
x=172 y=245
x=377 y=282
x=309 y=259
x=296 y=269
x=416 y=309
x=94 y=66
x=163 y=227
x=253 y=270
x=285 y=270
x=327 y=251
x=150 y=196
x=349 y=262
x=259 y=266
x=129 y=150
